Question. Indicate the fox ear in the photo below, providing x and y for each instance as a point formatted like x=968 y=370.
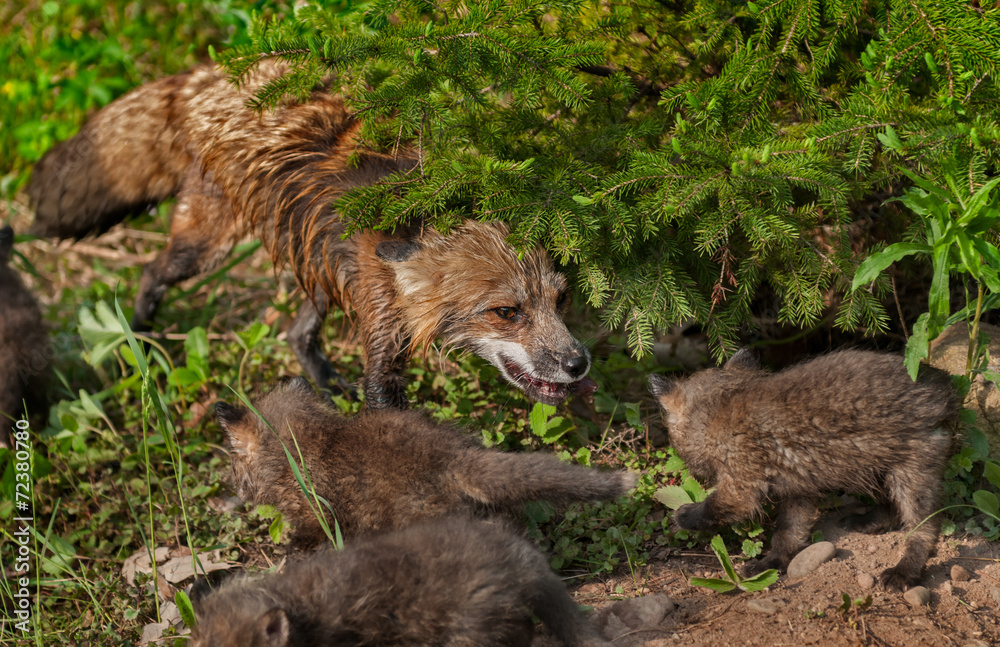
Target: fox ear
x=743 y=359
x=297 y=383
x=273 y=628
x=396 y=251
x=232 y=420
x=660 y=385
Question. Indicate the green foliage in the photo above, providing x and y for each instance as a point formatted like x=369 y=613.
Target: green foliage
x=733 y=579
x=678 y=156
x=957 y=224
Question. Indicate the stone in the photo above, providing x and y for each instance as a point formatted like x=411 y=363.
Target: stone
x=625 y=616
x=960 y=574
x=995 y=594
x=762 y=605
x=950 y=353
x=918 y=596
x=866 y=581
x=810 y=559
x=947 y=587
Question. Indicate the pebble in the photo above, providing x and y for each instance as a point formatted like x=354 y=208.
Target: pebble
x=918 y=596
x=810 y=559
x=947 y=587
x=866 y=581
x=872 y=549
x=995 y=594
x=762 y=605
x=960 y=574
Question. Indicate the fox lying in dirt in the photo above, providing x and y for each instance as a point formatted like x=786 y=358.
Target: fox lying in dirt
x=276 y=176
x=851 y=420
x=450 y=582
x=384 y=470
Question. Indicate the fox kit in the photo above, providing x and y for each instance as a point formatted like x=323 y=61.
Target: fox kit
x=23 y=346
x=277 y=176
x=383 y=470
x=450 y=582
x=851 y=420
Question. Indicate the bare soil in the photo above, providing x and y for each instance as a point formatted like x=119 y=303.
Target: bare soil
x=805 y=611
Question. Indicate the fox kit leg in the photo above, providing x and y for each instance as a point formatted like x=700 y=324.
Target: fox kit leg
x=202 y=233
x=303 y=337
x=560 y=614
x=916 y=492
x=796 y=517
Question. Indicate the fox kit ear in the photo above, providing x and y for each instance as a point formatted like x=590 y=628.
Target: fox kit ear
x=273 y=628
x=237 y=432
x=297 y=383
x=743 y=359
x=396 y=251
x=660 y=385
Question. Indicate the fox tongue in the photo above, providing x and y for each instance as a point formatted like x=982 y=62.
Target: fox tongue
x=583 y=388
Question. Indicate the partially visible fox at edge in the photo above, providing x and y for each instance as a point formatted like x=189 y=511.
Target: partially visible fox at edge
x=276 y=176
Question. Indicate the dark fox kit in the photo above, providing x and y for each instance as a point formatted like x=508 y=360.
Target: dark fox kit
x=277 y=176
x=23 y=346
x=452 y=583
x=382 y=470
x=852 y=420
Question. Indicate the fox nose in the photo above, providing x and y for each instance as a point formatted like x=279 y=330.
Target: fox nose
x=576 y=365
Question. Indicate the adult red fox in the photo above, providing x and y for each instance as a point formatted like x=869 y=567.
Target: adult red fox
x=276 y=176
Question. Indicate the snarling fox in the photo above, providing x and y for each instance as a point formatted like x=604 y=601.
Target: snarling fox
x=277 y=176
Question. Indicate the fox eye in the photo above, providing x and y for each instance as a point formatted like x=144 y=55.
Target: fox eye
x=505 y=312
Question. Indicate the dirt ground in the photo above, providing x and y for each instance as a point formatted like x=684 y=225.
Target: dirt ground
x=804 y=612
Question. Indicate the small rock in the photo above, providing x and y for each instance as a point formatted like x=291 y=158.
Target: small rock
x=995 y=594
x=960 y=574
x=810 y=559
x=866 y=581
x=918 y=596
x=628 y=615
x=947 y=587
x=872 y=549
x=762 y=605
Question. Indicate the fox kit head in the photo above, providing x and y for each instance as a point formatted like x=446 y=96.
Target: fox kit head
x=685 y=405
x=246 y=433
x=471 y=289
x=242 y=615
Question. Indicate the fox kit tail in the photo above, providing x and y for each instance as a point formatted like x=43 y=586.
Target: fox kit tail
x=510 y=479
x=129 y=155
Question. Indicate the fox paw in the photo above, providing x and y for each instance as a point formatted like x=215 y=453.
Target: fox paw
x=898 y=579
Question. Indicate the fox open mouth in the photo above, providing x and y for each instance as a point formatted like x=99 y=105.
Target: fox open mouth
x=543 y=390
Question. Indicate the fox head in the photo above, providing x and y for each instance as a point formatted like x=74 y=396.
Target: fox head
x=471 y=289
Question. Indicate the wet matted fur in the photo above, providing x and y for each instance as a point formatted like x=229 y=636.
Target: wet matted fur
x=277 y=176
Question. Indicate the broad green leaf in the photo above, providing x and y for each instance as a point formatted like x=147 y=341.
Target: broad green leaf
x=673 y=496
x=760 y=581
x=276 y=528
x=987 y=502
x=184 y=607
x=632 y=415
x=538 y=418
x=196 y=343
x=938 y=299
x=979 y=443
x=890 y=139
x=252 y=335
x=992 y=473
x=722 y=586
x=719 y=547
x=917 y=346
x=875 y=264
x=976 y=203
x=968 y=254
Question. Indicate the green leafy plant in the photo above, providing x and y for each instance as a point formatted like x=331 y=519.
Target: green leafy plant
x=956 y=224
x=733 y=579
x=850 y=610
